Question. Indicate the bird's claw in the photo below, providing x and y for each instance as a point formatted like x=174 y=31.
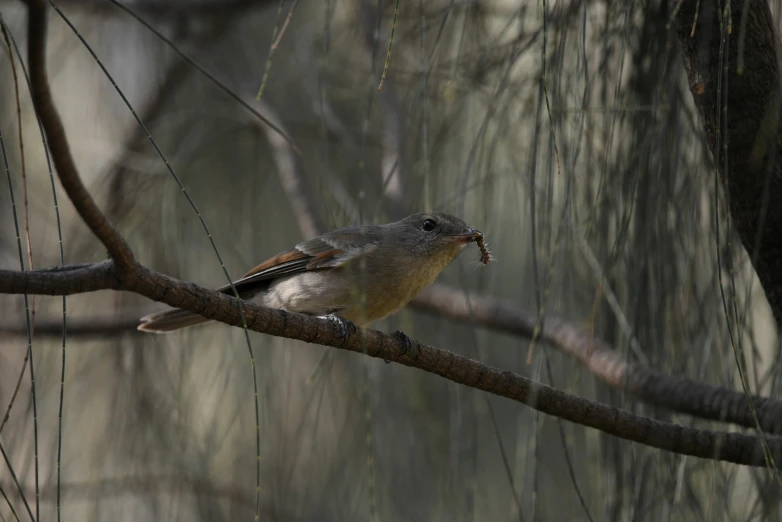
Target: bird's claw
x=343 y=325
x=402 y=336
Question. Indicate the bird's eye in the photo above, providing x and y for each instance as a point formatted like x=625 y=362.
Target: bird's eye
x=429 y=225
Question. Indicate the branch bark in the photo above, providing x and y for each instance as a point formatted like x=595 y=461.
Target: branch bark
x=41 y=95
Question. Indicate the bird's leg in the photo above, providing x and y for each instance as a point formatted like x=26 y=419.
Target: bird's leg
x=344 y=329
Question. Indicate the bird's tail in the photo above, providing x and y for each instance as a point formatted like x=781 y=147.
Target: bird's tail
x=170 y=320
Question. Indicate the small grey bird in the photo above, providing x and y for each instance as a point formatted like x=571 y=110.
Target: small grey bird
x=357 y=273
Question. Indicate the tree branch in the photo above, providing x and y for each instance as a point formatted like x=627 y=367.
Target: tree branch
x=61 y=280
x=41 y=94
x=729 y=447
x=98 y=327
x=648 y=384
x=289 y=172
x=657 y=388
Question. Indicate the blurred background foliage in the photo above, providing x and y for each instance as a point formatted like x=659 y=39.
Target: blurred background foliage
x=607 y=197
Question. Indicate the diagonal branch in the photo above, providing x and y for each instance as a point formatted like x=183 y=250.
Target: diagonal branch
x=672 y=392
x=728 y=447
x=291 y=176
x=648 y=384
x=41 y=94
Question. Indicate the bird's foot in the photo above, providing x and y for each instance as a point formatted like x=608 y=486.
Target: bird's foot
x=407 y=343
x=343 y=326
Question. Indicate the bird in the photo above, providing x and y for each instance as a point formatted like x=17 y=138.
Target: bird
x=357 y=273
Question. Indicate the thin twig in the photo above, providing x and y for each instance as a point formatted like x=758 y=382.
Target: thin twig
x=289 y=171
x=284 y=27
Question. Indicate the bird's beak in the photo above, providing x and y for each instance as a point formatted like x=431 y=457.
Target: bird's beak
x=468 y=236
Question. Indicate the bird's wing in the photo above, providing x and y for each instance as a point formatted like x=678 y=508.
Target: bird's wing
x=330 y=251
